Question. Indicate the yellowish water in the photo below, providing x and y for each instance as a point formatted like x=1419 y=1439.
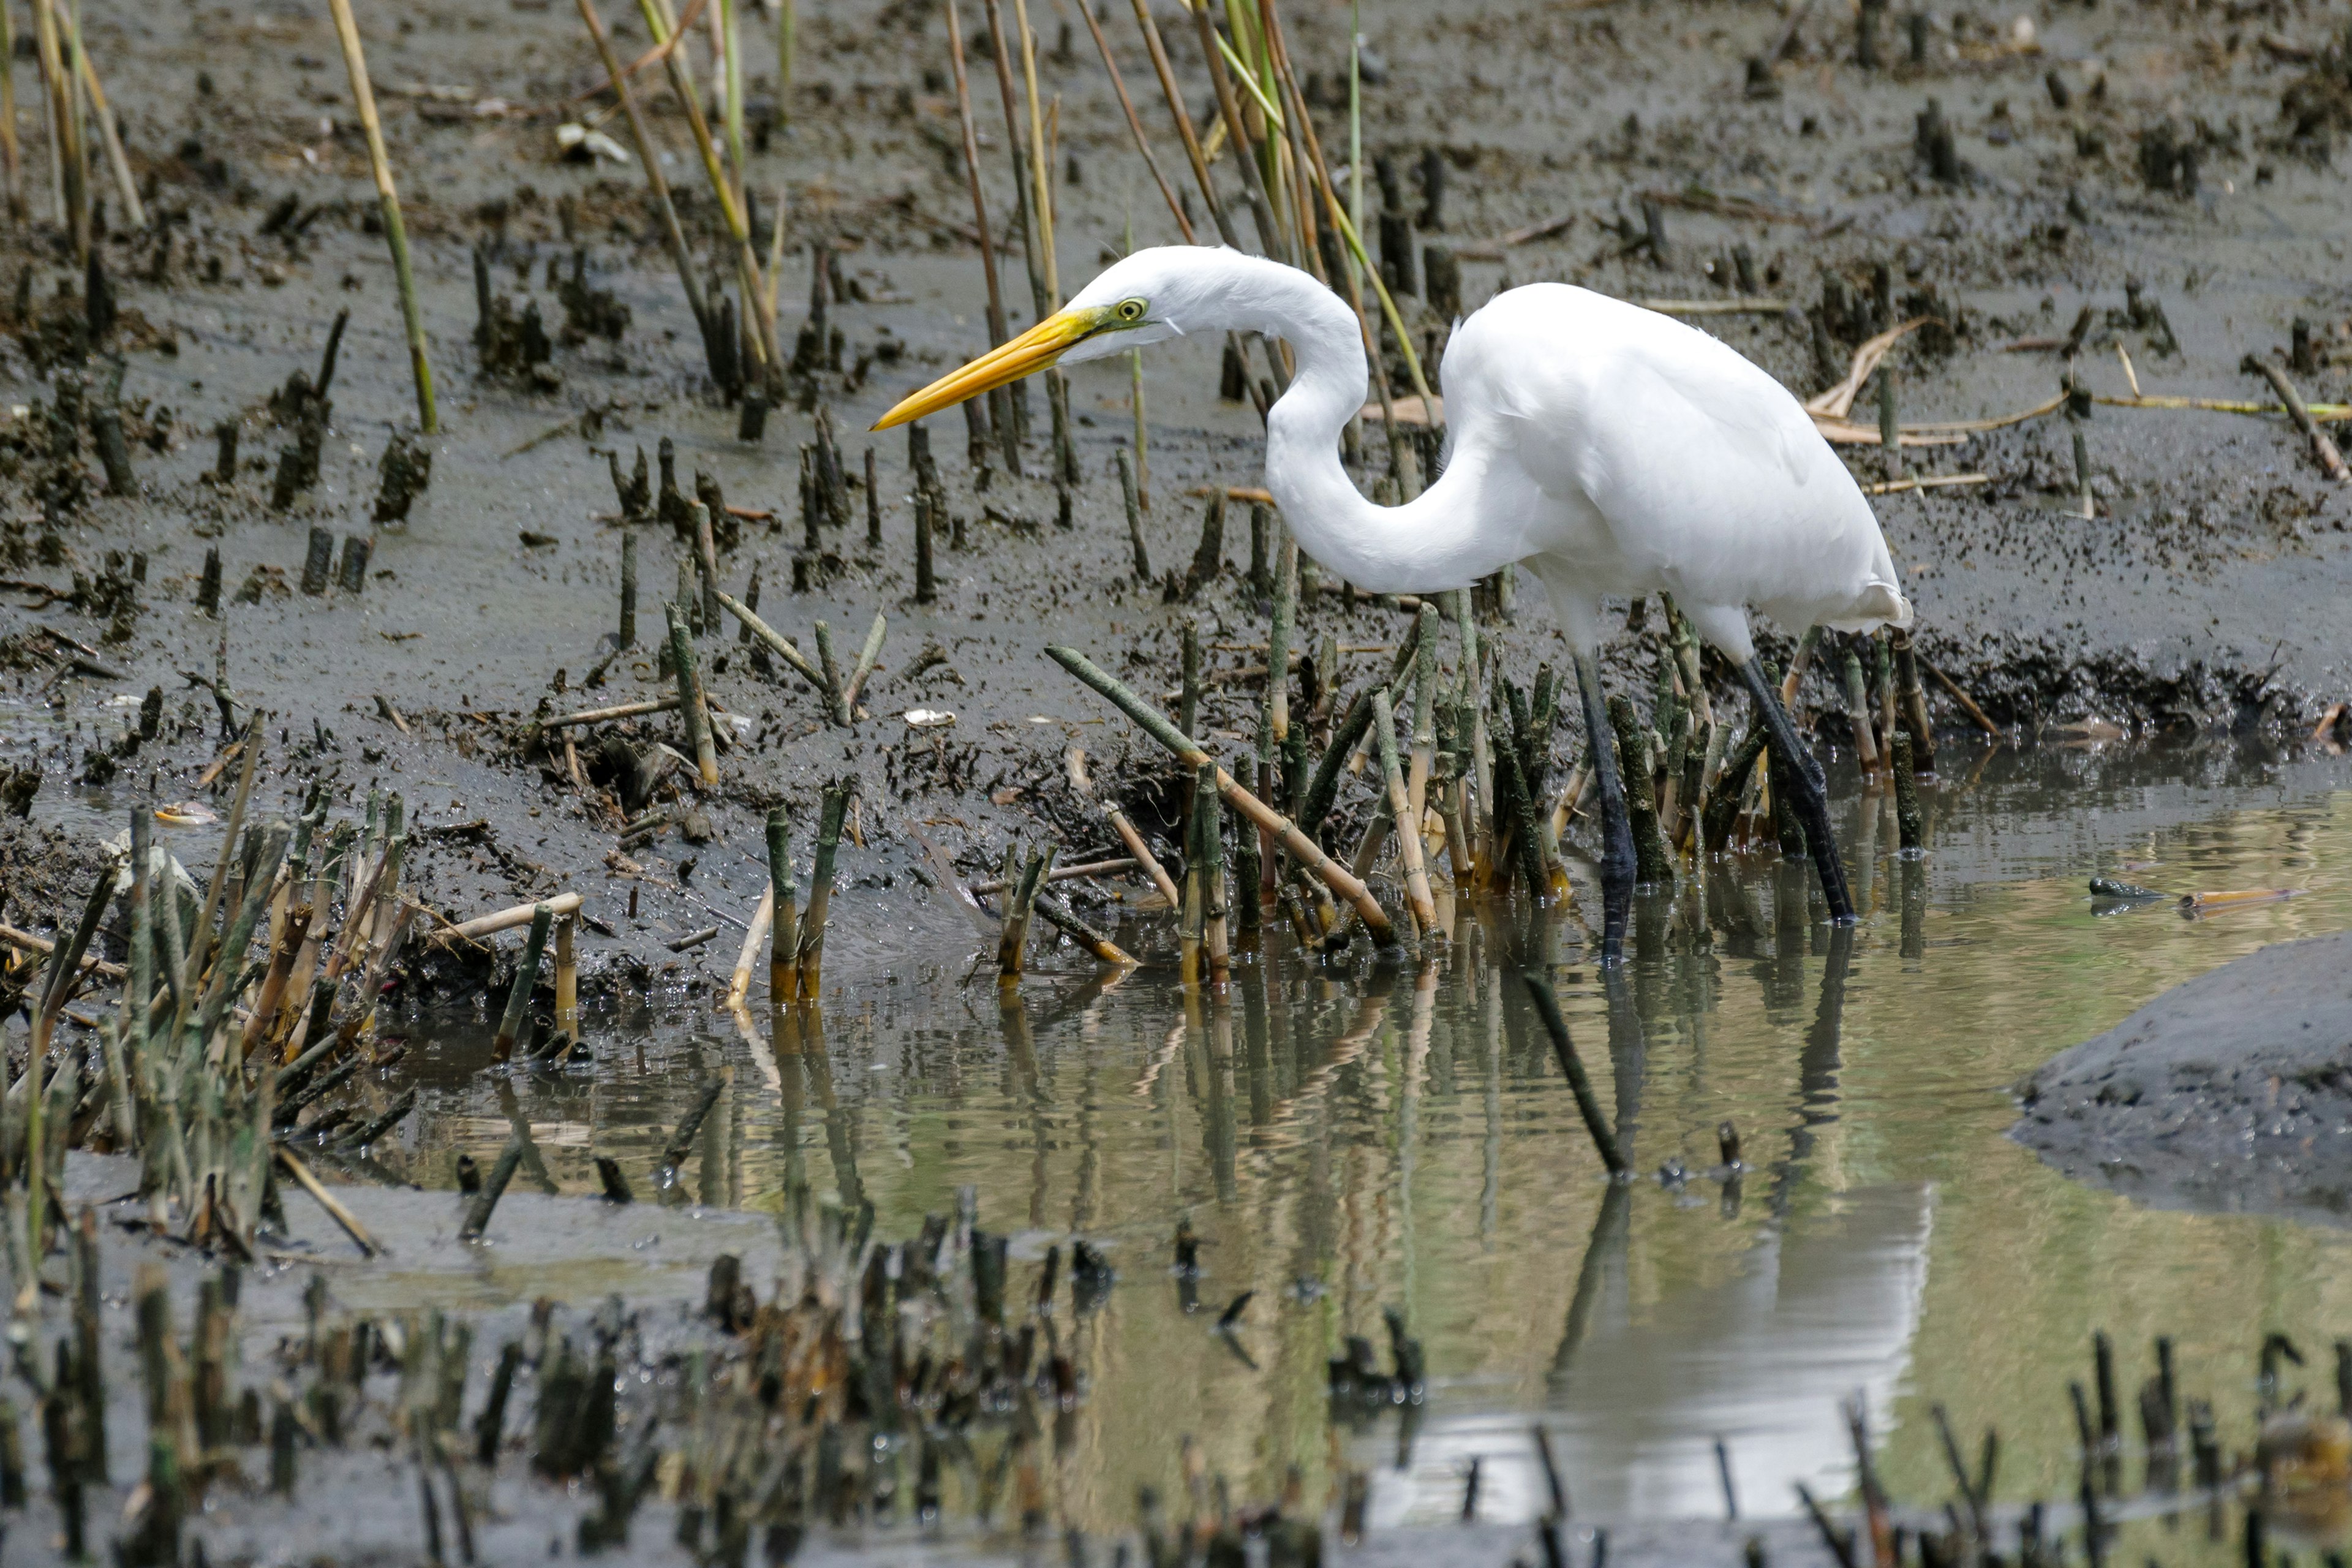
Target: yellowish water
x=1352 y=1141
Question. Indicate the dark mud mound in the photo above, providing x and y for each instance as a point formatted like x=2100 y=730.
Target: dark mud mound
x=2231 y=1093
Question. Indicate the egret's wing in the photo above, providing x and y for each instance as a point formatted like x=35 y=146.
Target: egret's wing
x=1666 y=456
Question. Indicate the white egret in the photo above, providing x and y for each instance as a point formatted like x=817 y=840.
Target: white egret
x=1607 y=448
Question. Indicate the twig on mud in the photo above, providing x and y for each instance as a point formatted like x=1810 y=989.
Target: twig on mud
x=1188 y=751
x=1923 y=482
x=1968 y=704
x=1492 y=250
x=1715 y=306
x=368 y=1244
x=2321 y=447
x=1118 y=867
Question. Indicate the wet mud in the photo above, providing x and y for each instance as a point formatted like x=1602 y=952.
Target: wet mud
x=2230 y=1093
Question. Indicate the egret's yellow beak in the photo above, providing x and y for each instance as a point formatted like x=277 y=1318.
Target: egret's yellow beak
x=1032 y=351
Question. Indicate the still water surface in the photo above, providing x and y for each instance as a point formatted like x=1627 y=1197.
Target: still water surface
x=1352 y=1139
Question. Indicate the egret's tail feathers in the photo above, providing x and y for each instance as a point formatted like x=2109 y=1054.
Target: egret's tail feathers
x=1879 y=604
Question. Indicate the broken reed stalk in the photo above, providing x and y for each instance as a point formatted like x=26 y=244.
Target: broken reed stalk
x=837 y=710
x=396 y=233
x=820 y=898
x=1588 y=1106
x=681 y=1143
x=739 y=983
x=64 y=126
x=777 y=643
x=1063 y=917
x=360 y=1236
x=706 y=561
x=1190 y=751
x=126 y=186
x=567 y=975
x=526 y=977
x=1913 y=699
x=1424 y=704
x=1012 y=937
x=691 y=705
x=1408 y=821
x=649 y=160
x=784 y=931
x=1907 y=793
x=1208 y=828
x=11 y=154
x=1132 y=495
x=2321 y=447
x=1076 y=758
x=486 y=1202
x=866 y=656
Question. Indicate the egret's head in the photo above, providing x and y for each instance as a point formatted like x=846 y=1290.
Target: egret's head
x=1149 y=298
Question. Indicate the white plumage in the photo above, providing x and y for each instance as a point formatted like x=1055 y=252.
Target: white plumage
x=1607 y=448
x=1610 y=450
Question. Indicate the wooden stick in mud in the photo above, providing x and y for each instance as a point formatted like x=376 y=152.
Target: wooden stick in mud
x=2321 y=447
x=1012 y=938
x=864 y=666
x=526 y=975
x=567 y=974
x=778 y=643
x=649 y=159
x=508 y=919
x=368 y=1244
x=1061 y=915
x=820 y=898
x=1302 y=848
x=738 y=985
x=1079 y=873
x=783 y=929
x=396 y=233
x=1968 y=704
x=486 y=1202
x=1596 y=1123
x=1076 y=759
x=618 y=711
x=1408 y=821
x=690 y=702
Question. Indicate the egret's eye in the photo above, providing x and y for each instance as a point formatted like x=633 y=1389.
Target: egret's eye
x=1130 y=310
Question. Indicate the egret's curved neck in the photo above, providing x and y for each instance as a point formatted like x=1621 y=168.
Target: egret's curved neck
x=1427 y=545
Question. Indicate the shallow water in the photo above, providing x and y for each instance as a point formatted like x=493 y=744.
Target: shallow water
x=1361 y=1138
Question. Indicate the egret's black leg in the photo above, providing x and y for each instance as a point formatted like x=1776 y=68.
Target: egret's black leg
x=1617 y=867
x=1812 y=798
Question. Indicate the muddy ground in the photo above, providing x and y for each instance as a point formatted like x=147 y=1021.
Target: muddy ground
x=2227 y=1093
x=2204 y=594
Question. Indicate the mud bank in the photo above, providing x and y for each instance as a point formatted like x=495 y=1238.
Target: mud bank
x=2228 y=1093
